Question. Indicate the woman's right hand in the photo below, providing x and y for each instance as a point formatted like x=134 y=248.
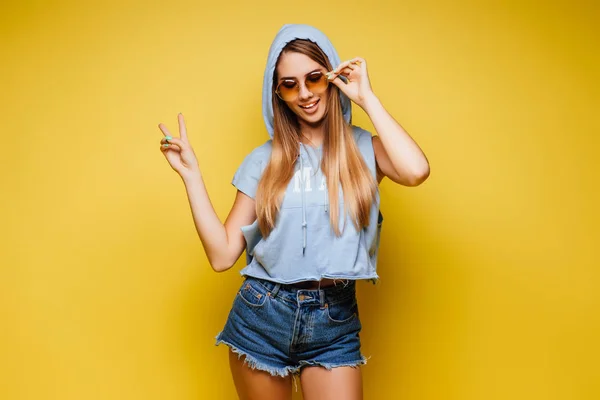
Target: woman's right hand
x=179 y=152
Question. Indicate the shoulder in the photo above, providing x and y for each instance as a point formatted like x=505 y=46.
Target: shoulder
x=364 y=142
x=361 y=136
x=363 y=139
x=249 y=172
x=262 y=151
x=260 y=154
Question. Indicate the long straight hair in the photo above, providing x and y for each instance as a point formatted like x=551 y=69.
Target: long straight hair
x=342 y=162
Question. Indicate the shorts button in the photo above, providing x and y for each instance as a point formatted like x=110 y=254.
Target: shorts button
x=301 y=297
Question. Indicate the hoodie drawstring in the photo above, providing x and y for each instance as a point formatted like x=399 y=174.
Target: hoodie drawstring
x=304 y=224
x=326 y=194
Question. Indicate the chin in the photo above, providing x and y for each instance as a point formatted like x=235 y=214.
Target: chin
x=315 y=119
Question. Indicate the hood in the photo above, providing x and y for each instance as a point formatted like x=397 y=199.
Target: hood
x=285 y=35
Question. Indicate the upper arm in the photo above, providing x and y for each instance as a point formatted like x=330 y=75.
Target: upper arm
x=242 y=213
x=383 y=163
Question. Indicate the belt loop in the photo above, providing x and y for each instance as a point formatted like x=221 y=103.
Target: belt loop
x=275 y=289
x=321 y=293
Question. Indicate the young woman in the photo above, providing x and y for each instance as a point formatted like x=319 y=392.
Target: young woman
x=307 y=214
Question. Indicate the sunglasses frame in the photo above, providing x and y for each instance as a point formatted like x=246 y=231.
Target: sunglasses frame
x=297 y=87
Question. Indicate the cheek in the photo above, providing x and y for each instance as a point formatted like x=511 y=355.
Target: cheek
x=324 y=104
x=295 y=108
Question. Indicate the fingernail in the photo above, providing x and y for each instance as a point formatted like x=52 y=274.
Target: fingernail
x=166 y=145
x=168 y=137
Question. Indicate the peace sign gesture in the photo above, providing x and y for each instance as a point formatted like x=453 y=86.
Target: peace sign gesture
x=178 y=151
x=358 y=89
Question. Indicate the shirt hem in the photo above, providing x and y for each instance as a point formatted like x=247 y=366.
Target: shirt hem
x=373 y=278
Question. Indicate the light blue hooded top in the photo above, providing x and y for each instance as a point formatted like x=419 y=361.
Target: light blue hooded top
x=303 y=246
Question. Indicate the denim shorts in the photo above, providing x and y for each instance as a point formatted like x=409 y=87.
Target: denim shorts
x=282 y=328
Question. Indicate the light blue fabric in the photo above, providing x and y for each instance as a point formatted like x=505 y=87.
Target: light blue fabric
x=285 y=35
x=302 y=246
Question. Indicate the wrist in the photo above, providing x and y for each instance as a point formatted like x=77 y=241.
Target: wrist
x=191 y=178
x=371 y=101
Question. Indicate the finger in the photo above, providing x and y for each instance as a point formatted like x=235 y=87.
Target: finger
x=176 y=141
x=338 y=82
x=168 y=146
x=344 y=72
x=182 y=128
x=332 y=77
x=342 y=65
x=164 y=129
x=360 y=61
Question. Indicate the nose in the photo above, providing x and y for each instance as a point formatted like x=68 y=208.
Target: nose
x=304 y=93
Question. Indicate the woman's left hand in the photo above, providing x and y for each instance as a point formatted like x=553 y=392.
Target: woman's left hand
x=358 y=89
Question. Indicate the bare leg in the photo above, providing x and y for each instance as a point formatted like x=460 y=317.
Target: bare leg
x=253 y=384
x=339 y=383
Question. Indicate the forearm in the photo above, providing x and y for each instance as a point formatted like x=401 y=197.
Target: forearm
x=210 y=229
x=404 y=153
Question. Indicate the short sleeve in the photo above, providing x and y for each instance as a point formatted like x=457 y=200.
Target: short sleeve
x=248 y=174
x=364 y=140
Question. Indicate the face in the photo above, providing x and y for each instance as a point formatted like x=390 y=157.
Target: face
x=301 y=69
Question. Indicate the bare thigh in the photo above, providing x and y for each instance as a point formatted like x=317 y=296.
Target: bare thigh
x=338 y=383
x=253 y=384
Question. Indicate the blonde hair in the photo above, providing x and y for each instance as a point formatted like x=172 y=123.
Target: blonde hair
x=342 y=162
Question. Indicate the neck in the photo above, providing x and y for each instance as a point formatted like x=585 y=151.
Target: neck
x=312 y=135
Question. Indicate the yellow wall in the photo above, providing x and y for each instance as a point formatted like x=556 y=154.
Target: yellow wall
x=489 y=270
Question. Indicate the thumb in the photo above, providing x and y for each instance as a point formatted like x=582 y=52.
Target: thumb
x=335 y=79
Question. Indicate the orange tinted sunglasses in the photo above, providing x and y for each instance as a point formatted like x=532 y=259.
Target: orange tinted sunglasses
x=288 y=89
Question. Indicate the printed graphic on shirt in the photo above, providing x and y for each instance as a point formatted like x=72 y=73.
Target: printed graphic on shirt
x=305 y=177
x=312 y=185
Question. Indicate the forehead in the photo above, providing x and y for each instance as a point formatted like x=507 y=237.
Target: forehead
x=295 y=65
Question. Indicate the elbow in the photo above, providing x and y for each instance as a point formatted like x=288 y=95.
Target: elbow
x=418 y=177
x=220 y=265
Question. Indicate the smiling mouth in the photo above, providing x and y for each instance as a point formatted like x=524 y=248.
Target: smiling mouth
x=311 y=105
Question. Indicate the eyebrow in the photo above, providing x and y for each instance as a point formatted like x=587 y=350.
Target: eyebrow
x=291 y=77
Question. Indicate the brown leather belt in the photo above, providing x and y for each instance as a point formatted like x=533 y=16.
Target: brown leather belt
x=312 y=284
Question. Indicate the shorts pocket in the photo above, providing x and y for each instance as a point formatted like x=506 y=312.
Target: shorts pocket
x=342 y=311
x=252 y=293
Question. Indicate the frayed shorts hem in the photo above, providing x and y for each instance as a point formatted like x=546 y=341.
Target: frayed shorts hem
x=330 y=366
x=253 y=363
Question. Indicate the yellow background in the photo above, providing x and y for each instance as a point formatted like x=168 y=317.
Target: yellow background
x=489 y=270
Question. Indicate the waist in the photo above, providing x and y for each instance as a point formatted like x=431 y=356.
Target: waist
x=341 y=287
x=320 y=284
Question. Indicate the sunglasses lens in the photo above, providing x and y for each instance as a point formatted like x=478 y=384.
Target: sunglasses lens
x=315 y=82
x=287 y=90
